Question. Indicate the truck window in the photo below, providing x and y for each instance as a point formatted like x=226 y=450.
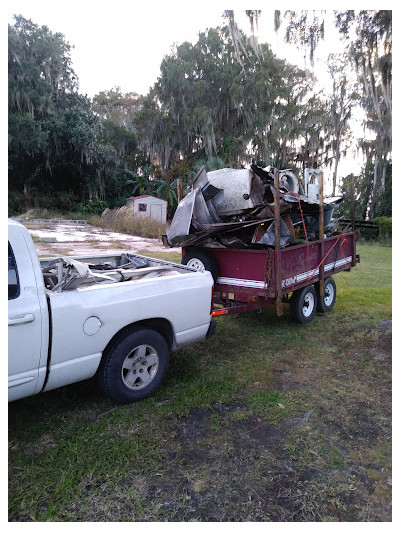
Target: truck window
x=13 y=283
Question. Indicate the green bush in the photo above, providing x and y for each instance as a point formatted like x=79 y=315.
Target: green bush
x=16 y=204
x=91 y=207
x=385 y=226
x=369 y=234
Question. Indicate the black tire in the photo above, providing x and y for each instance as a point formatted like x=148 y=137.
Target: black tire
x=201 y=261
x=325 y=303
x=135 y=366
x=303 y=304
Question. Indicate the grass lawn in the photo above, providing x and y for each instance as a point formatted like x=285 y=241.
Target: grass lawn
x=267 y=421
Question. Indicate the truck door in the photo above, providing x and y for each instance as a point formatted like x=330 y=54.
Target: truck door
x=25 y=342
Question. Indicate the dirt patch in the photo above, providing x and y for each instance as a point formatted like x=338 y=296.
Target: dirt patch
x=256 y=471
x=330 y=462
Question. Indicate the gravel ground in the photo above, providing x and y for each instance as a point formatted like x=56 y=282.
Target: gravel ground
x=63 y=239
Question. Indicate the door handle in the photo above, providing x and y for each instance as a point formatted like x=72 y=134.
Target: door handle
x=21 y=319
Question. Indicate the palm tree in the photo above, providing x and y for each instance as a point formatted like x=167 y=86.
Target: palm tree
x=167 y=191
x=141 y=182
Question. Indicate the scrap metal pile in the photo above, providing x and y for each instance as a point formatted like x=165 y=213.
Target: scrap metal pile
x=63 y=274
x=232 y=208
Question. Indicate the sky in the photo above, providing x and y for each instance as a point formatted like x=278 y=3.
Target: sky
x=121 y=46
x=124 y=46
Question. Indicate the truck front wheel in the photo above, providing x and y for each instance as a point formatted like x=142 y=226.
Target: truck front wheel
x=135 y=366
x=303 y=304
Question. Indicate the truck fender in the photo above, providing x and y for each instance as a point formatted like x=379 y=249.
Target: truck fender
x=161 y=325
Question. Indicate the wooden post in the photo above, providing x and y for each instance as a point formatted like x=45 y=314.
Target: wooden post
x=352 y=199
x=321 y=232
x=179 y=190
x=353 y=218
x=278 y=265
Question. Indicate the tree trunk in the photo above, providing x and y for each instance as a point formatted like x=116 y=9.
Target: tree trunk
x=374 y=193
x=383 y=179
x=179 y=189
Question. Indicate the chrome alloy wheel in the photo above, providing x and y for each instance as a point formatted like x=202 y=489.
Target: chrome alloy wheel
x=140 y=367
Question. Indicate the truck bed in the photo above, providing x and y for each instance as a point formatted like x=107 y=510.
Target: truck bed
x=79 y=272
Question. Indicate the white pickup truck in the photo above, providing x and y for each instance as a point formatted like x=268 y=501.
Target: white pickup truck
x=116 y=317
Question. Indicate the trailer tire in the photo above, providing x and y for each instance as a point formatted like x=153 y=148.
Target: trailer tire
x=303 y=304
x=201 y=261
x=135 y=366
x=325 y=303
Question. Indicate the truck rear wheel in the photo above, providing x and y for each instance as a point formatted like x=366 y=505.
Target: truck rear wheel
x=201 y=261
x=135 y=366
x=303 y=304
x=326 y=302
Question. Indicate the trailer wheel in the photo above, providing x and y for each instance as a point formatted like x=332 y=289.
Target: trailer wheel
x=325 y=303
x=303 y=304
x=135 y=367
x=201 y=261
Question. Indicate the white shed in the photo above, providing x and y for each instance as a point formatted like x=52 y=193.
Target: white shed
x=149 y=206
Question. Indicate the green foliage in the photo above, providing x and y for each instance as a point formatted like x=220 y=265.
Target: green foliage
x=206 y=102
x=64 y=152
x=364 y=185
x=122 y=140
x=16 y=204
x=167 y=191
x=220 y=102
x=369 y=38
x=117 y=107
x=384 y=196
x=385 y=226
x=367 y=35
x=91 y=207
x=52 y=131
x=39 y=68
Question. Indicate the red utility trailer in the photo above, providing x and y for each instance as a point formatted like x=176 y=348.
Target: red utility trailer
x=250 y=279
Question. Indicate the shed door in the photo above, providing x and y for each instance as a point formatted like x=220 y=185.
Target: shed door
x=156 y=212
